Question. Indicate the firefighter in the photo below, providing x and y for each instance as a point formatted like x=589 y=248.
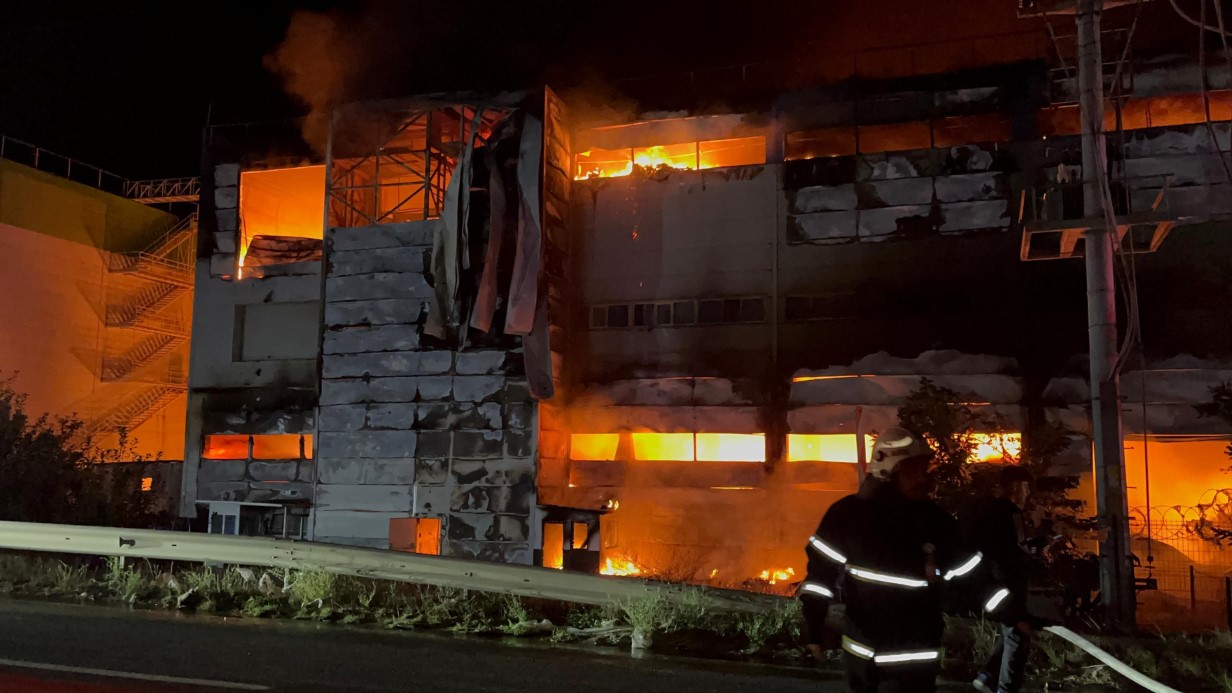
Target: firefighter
x=997 y=527
x=888 y=553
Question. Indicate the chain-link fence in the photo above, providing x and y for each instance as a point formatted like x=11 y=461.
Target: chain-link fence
x=1187 y=552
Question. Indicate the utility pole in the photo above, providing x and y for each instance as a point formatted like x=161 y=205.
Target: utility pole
x=1116 y=572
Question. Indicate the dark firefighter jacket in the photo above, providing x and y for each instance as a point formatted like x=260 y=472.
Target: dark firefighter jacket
x=890 y=560
x=996 y=527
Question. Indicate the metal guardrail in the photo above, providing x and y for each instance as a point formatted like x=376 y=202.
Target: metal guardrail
x=158 y=191
x=482 y=576
x=522 y=581
x=59 y=165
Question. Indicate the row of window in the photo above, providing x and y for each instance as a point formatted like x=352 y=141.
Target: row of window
x=712 y=447
x=716 y=311
x=679 y=313
x=939 y=133
x=825 y=142
x=897 y=137
x=751 y=447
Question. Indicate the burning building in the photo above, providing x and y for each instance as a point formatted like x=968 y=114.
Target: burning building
x=505 y=328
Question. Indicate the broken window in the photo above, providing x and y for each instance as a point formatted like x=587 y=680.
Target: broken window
x=974 y=129
x=147 y=483
x=817 y=144
x=282 y=216
x=266 y=446
x=416 y=535
x=666 y=447
x=895 y=138
x=826 y=447
x=604 y=163
x=554 y=545
x=741 y=151
x=699 y=447
x=225 y=447
x=282 y=447
x=683 y=156
x=593 y=446
x=731 y=447
x=874 y=139
x=613 y=163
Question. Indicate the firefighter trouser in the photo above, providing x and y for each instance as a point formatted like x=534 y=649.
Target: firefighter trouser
x=1009 y=659
x=864 y=676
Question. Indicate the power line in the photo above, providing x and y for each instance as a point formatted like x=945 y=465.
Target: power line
x=1198 y=23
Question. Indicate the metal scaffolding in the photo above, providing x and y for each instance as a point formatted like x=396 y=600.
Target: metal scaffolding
x=392 y=162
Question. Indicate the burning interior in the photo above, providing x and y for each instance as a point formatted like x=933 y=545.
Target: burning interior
x=688 y=144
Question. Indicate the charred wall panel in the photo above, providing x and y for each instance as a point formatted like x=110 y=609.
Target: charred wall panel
x=561 y=300
x=410 y=427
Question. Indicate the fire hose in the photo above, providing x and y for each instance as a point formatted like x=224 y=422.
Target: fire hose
x=1112 y=662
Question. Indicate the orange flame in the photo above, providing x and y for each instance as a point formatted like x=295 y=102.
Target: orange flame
x=776 y=576
x=620 y=566
x=996 y=447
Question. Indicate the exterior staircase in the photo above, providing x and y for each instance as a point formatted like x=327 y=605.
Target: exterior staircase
x=150 y=301
x=133 y=410
x=164 y=273
x=147 y=351
x=168 y=260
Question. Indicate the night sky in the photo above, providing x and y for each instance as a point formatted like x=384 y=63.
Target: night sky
x=127 y=86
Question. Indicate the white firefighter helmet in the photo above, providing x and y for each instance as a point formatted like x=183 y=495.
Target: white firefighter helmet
x=892 y=447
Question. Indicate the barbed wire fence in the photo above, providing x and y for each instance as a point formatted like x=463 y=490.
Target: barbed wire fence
x=1187 y=550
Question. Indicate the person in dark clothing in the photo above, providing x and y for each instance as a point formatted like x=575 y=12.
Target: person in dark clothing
x=997 y=529
x=888 y=553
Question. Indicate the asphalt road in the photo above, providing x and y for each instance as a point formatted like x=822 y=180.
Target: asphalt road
x=89 y=649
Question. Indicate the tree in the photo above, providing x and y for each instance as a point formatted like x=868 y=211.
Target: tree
x=951 y=428
x=50 y=472
x=954 y=430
